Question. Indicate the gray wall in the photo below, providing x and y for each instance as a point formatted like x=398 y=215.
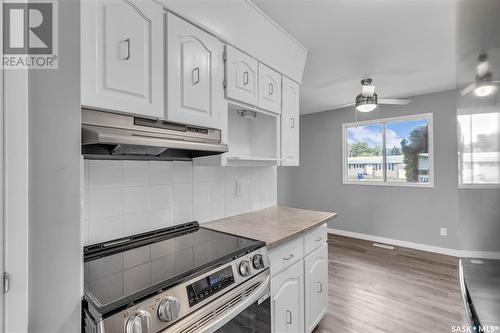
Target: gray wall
x=54 y=185
x=403 y=213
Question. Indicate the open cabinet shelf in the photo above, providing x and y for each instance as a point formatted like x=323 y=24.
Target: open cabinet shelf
x=254 y=139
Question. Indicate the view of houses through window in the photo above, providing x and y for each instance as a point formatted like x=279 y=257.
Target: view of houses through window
x=395 y=150
x=479 y=148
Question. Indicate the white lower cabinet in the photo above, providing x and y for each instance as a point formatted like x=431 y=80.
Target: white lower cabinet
x=299 y=282
x=287 y=300
x=316 y=286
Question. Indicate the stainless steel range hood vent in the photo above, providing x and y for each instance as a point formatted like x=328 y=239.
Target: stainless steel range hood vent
x=113 y=136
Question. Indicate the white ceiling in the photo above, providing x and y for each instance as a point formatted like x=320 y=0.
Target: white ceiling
x=407 y=47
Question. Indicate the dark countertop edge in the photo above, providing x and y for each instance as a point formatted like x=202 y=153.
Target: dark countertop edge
x=301 y=232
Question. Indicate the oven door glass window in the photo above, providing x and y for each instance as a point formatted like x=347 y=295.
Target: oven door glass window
x=254 y=319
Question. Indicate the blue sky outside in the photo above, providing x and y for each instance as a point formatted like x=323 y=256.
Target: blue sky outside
x=372 y=134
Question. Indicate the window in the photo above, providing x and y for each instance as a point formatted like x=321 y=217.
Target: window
x=479 y=149
x=392 y=151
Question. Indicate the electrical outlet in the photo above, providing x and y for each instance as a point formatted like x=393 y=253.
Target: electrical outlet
x=443 y=232
x=240 y=188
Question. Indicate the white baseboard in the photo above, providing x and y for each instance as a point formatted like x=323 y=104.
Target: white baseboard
x=418 y=246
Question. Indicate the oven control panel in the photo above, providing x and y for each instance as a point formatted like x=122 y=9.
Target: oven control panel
x=209 y=285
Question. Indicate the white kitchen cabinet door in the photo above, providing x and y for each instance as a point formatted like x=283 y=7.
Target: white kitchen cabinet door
x=290 y=123
x=287 y=300
x=241 y=76
x=122 y=56
x=316 y=287
x=269 y=89
x=195 y=92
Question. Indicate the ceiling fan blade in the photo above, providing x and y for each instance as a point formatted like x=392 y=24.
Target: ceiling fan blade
x=342 y=106
x=468 y=89
x=367 y=91
x=394 y=101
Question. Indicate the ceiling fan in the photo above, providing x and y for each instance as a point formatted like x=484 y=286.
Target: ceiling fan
x=483 y=85
x=368 y=100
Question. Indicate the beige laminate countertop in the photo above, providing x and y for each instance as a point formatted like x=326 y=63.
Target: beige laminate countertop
x=273 y=225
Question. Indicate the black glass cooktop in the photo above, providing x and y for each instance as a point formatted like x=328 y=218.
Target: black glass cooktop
x=122 y=271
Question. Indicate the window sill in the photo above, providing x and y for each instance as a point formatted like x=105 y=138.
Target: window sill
x=478 y=186
x=368 y=183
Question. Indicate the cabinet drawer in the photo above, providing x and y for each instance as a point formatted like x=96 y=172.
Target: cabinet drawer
x=286 y=255
x=315 y=238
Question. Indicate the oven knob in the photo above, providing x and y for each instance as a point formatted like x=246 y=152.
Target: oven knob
x=169 y=309
x=138 y=322
x=258 y=261
x=244 y=268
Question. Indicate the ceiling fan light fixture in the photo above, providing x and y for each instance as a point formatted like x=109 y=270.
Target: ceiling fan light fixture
x=484 y=85
x=484 y=89
x=366 y=103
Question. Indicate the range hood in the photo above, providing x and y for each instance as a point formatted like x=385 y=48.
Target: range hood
x=108 y=135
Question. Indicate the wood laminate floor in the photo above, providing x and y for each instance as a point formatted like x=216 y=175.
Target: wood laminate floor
x=378 y=290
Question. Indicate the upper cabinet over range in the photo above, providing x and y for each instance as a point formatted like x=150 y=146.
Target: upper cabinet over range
x=122 y=56
x=124 y=64
x=195 y=94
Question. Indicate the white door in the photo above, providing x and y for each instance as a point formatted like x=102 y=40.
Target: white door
x=195 y=92
x=122 y=56
x=241 y=76
x=287 y=300
x=269 y=89
x=290 y=123
x=316 y=286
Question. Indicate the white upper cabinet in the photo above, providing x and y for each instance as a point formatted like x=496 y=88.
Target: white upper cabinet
x=122 y=56
x=290 y=123
x=269 y=89
x=195 y=92
x=241 y=76
x=316 y=287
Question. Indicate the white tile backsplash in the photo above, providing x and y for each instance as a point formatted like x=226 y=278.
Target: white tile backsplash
x=128 y=197
x=183 y=194
x=135 y=199
x=161 y=218
x=161 y=172
x=183 y=172
x=135 y=173
x=105 y=203
x=183 y=214
x=105 y=174
x=160 y=196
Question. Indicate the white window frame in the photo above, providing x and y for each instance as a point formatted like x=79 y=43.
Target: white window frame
x=471 y=186
x=430 y=140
